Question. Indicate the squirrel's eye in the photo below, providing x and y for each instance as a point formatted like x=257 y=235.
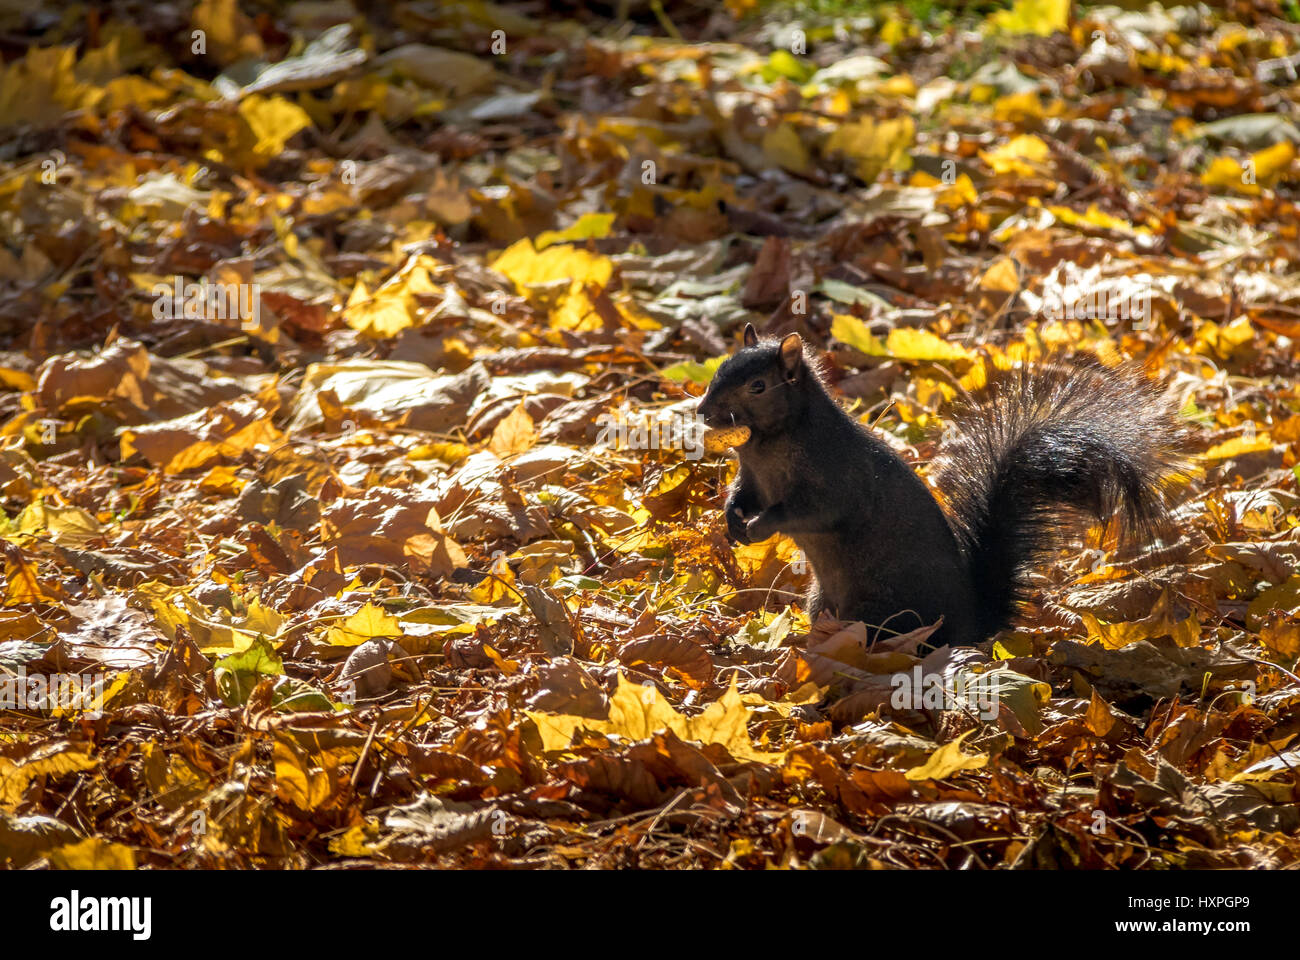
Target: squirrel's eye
x=757 y=386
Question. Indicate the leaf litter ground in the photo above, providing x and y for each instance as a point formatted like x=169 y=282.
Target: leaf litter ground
x=402 y=553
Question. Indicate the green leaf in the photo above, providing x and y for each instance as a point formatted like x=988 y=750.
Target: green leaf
x=260 y=657
x=700 y=373
x=849 y=329
x=843 y=292
x=588 y=226
x=239 y=673
x=452 y=614
x=294 y=694
x=577 y=582
x=765 y=635
x=783 y=63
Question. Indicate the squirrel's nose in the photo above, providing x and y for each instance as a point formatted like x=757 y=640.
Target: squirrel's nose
x=707 y=410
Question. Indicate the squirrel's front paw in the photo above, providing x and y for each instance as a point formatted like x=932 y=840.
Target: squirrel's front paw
x=757 y=529
x=737 y=526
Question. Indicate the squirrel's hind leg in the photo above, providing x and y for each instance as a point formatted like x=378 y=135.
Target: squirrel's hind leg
x=813 y=602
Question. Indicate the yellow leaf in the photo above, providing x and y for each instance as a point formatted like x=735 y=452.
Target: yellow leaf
x=575 y=311
x=174 y=609
x=14 y=777
x=874 y=146
x=261 y=619
x=1042 y=18
x=71 y=525
x=725 y=721
x=1262 y=169
x=535 y=275
x=1280 y=635
x=1159 y=623
x=508 y=667
x=224 y=431
x=297 y=779
x=909 y=343
x=131 y=90
x=638 y=712
x=38 y=88
x=24 y=583
x=1023 y=156
x=1012 y=645
x=381 y=315
x=899 y=86
x=849 y=329
x=1018 y=107
x=227 y=32
x=1236 y=447
x=273 y=121
x=1272 y=162
x=946 y=761
x=95 y=704
x=1224 y=172
x=1284 y=596
x=783 y=148
x=1225 y=340
x=589 y=226
x=514 y=434
x=222 y=480
x=93 y=854
x=367 y=623
x=1002 y=277
x=1097 y=218
x=16 y=379
x=497 y=587
x=356 y=841
x=172 y=779
x=896 y=29
x=525 y=266
x=952 y=196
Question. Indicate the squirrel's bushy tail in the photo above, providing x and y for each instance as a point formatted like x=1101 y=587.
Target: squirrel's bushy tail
x=1046 y=445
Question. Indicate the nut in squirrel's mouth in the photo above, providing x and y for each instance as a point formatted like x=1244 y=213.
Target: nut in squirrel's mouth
x=718 y=439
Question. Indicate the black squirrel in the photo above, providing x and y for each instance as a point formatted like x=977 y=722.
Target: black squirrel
x=1050 y=443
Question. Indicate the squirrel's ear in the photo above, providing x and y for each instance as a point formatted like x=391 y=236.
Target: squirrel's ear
x=751 y=335
x=791 y=353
